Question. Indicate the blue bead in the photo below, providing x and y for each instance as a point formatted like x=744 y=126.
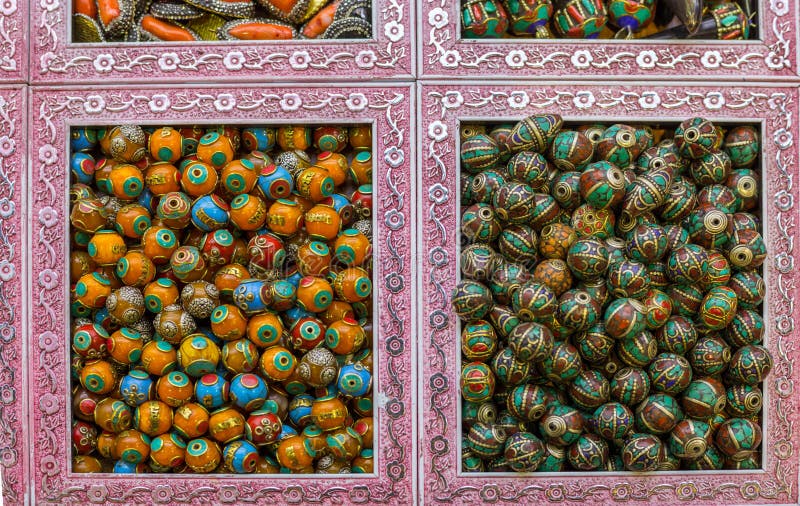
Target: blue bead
x=252 y=296
x=210 y=212
x=248 y=391
x=275 y=182
x=241 y=456
x=293 y=314
x=294 y=278
x=212 y=391
x=123 y=467
x=147 y=200
x=354 y=380
x=83 y=139
x=258 y=138
x=136 y=387
x=299 y=410
x=82 y=167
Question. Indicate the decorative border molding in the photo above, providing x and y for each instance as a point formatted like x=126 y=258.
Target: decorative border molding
x=442 y=53
x=443 y=107
x=55 y=59
x=52 y=113
x=13 y=385
x=13 y=41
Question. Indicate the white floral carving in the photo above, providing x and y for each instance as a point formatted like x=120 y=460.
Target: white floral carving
x=438 y=194
x=714 y=100
x=649 y=100
x=291 y=102
x=8 y=7
x=516 y=59
x=49 y=5
x=48 y=154
x=168 y=62
x=48 y=216
x=452 y=100
x=46 y=59
x=94 y=104
x=647 y=59
x=394 y=156
x=438 y=17
x=159 y=103
x=779 y=7
x=225 y=102
x=775 y=61
x=450 y=59
x=7 y=146
x=518 y=100
x=394 y=31
x=783 y=138
x=711 y=59
x=356 y=102
x=7 y=207
x=104 y=63
x=48 y=279
x=234 y=60
x=437 y=131
x=582 y=59
x=366 y=59
x=583 y=99
x=7 y=270
x=299 y=60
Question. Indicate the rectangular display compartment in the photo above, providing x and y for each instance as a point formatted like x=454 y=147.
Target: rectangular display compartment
x=14 y=41
x=387 y=109
x=14 y=396
x=55 y=59
x=444 y=108
x=443 y=52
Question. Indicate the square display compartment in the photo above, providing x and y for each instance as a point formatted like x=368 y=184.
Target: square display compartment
x=444 y=108
x=54 y=112
x=442 y=52
x=55 y=59
x=14 y=457
x=14 y=41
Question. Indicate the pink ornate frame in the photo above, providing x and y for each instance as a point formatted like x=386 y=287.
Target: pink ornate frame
x=53 y=112
x=443 y=52
x=13 y=312
x=13 y=41
x=57 y=60
x=444 y=108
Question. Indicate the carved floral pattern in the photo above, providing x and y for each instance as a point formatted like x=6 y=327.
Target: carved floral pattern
x=13 y=40
x=388 y=54
x=445 y=54
x=389 y=109
x=443 y=106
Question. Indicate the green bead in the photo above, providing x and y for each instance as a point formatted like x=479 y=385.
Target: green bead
x=696 y=137
x=613 y=420
x=709 y=356
x=508 y=369
x=686 y=299
x=528 y=167
x=641 y=452
x=744 y=400
x=554 y=459
x=718 y=272
x=746 y=327
x=472 y=464
x=744 y=185
x=505 y=279
x=577 y=310
x=619 y=145
x=637 y=350
x=738 y=438
x=711 y=168
x=689 y=438
x=624 y=318
x=711 y=460
x=742 y=146
x=658 y=414
x=594 y=345
x=479 y=223
x=474 y=412
x=746 y=250
x=588 y=453
x=534 y=133
x=526 y=402
x=719 y=196
x=518 y=243
x=670 y=373
x=524 y=452
x=477 y=382
x=484 y=185
x=587 y=258
x=571 y=150
x=749 y=365
x=586 y=220
x=648 y=191
x=647 y=242
x=707 y=227
x=703 y=398
x=478 y=261
x=479 y=152
x=534 y=302
x=628 y=278
x=566 y=190
x=486 y=440
x=471 y=300
x=630 y=15
x=678 y=335
x=563 y=363
x=749 y=288
x=602 y=185
x=531 y=342
x=589 y=389
x=658 y=307
x=503 y=320
x=687 y=264
x=718 y=308
x=630 y=386
x=679 y=201
x=478 y=341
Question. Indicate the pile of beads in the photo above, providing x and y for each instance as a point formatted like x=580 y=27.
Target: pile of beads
x=611 y=297
x=221 y=299
x=210 y=20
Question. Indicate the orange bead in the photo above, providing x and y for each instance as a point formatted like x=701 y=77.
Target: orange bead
x=361 y=168
x=167 y=450
x=89 y=215
x=175 y=210
x=248 y=212
x=106 y=442
x=86 y=464
x=159 y=294
x=314 y=294
x=294 y=454
x=285 y=217
x=315 y=183
x=174 y=389
x=98 y=377
x=106 y=247
x=124 y=143
x=338 y=310
x=191 y=420
x=203 y=455
x=335 y=164
x=80 y=264
x=265 y=330
x=126 y=181
x=352 y=247
x=239 y=176
x=92 y=290
x=132 y=446
x=153 y=418
x=322 y=222
x=125 y=346
x=198 y=355
x=313 y=258
x=226 y=425
x=345 y=336
x=163 y=30
x=366 y=429
x=112 y=415
x=187 y=264
x=158 y=243
x=135 y=269
x=317 y=25
x=215 y=149
x=361 y=137
x=277 y=363
x=132 y=220
x=228 y=322
x=162 y=178
x=102 y=170
x=159 y=358
x=199 y=179
x=353 y=284
x=228 y=277
x=166 y=144
x=264 y=466
x=292 y=137
x=239 y=356
x=329 y=413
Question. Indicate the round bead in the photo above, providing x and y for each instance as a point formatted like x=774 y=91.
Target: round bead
x=563 y=364
x=746 y=327
x=711 y=168
x=158 y=357
x=630 y=386
x=589 y=389
x=175 y=210
x=641 y=453
x=240 y=456
x=190 y=420
x=703 y=398
x=277 y=363
x=742 y=145
x=346 y=336
x=555 y=274
x=477 y=382
x=198 y=355
x=587 y=258
x=637 y=350
x=523 y=451
x=202 y=455
x=586 y=221
x=508 y=369
x=173 y=323
x=588 y=453
x=749 y=288
x=125 y=346
x=561 y=425
x=98 y=377
x=709 y=356
x=658 y=307
x=225 y=425
x=708 y=226
x=624 y=318
x=479 y=152
x=602 y=185
x=486 y=440
x=353 y=284
x=531 y=342
x=744 y=400
x=174 y=389
x=749 y=365
x=670 y=373
x=577 y=310
x=555 y=240
x=571 y=150
x=153 y=418
x=696 y=137
x=594 y=345
x=613 y=420
x=471 y=300
x=738 y=438
x=718 y=308
x=658 y=414
x=168 y=450
x=354 y=380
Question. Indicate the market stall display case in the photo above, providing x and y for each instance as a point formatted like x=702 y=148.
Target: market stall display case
x=386 y=54
x=386 y=110
x=445 y=107
x=13 y=41
x=768 y=55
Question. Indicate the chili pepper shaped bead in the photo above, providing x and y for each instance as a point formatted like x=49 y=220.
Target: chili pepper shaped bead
x=709 y=356
x=749 y=365
x=602 y=185
x=696 y=137
x=738 y=438
x=630 y=386
x=588 y=453
x=641 y=452
x=580 y=19
x=534 y=133
x=587 y=258
x=613 y=421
